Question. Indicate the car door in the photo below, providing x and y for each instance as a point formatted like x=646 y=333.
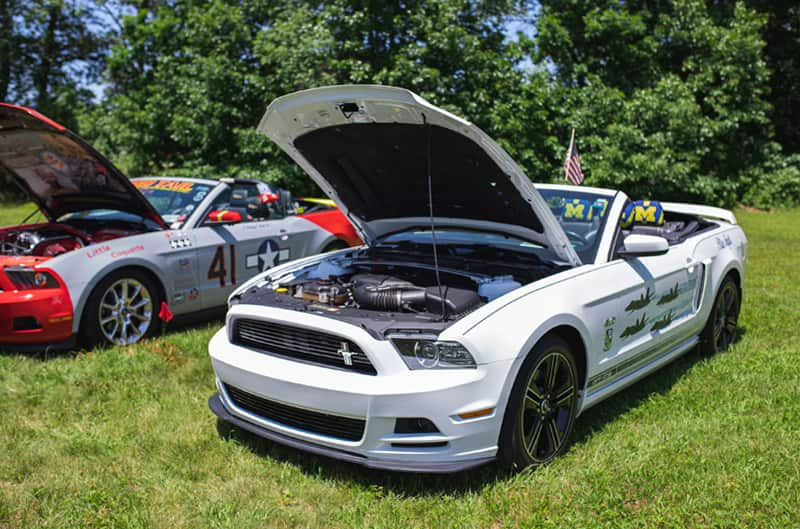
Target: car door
x=230 y=252
x=641 y=307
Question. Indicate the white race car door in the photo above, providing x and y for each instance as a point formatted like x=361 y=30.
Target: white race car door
x=236 y=242
x=647 y=303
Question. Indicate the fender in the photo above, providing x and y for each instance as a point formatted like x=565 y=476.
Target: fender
x=80 y=304
x=81 y=270
x=544 y=328
x=334 y=222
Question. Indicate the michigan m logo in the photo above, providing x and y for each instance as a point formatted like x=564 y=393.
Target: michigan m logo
x=643 y=212
x=577 y=209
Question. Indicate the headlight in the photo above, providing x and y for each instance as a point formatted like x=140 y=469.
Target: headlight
x=25 y=278
x=433 y=354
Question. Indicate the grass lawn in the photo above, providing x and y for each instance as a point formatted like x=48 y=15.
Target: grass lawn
x=123 y=438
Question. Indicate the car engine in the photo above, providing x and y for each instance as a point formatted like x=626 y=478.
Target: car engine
x=51 y=240
x=387 y=293
x=40 y=242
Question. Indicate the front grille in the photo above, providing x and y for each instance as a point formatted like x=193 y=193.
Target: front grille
x=310 y=421
x=300 y=344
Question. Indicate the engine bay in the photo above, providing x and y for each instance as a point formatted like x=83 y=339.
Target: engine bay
x=53 y=239
x=383 y=292
x=386 y=295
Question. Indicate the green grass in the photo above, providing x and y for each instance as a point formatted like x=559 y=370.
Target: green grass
x=12 y=214
x=123 y=438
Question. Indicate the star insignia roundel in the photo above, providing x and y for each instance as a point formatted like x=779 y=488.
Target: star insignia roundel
x=267 y=256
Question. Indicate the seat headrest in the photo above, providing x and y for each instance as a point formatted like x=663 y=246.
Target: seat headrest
x=577 y=210
x=239 y=198
x=642 y=213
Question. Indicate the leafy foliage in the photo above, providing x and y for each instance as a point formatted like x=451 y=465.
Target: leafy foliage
x=680 y=99
x=49 y=52
x=194 y=104
x=692 y=122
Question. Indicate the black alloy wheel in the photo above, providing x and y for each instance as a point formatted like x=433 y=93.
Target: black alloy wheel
x=721 y=328
x=543 y=405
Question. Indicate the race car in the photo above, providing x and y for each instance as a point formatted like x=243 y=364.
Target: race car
x=482 y=315
x=115 y=253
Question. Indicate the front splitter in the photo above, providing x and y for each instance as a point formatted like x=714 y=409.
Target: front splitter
x=216 y=405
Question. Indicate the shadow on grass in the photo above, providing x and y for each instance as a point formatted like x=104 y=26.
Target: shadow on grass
x=656 y=383
x=594 y=420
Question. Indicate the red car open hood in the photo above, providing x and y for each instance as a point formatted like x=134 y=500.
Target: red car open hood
x=61 y=172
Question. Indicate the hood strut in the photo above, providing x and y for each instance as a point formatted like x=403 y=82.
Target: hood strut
x=430 y=212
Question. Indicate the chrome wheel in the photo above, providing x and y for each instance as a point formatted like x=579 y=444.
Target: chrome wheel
x=548 y=408
x=126 y=312
x=726 y=316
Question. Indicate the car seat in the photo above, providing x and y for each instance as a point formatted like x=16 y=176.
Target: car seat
x=647 y=217
x=239 y=203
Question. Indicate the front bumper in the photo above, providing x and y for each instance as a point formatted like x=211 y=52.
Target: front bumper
x=396 y=392
x=33 y=319
x=442 y=467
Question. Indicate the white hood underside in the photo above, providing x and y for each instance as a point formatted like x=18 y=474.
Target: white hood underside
x=357 y=167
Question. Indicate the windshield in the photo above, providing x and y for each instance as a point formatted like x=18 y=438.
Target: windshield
x=582 y=215
x=459 y=242
x=174 y=199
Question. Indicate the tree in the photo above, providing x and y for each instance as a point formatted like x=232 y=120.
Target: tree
x=188 y=81
x=8 y=44
x=51 y=52
x=692 y=122
x=782 y=36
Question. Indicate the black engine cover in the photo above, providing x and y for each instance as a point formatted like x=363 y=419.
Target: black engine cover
x=456 y=300
x=390 y=293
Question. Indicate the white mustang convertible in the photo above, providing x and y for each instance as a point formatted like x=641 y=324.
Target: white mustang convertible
x=483 y=314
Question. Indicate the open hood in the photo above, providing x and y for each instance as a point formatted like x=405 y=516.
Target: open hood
x=59 y=171
x=370 y=149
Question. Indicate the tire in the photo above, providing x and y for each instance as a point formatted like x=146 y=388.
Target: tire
x=541 y=411
x=720 y=330
x=334 y=245
x=126 y=322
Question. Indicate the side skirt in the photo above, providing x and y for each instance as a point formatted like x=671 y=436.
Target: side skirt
x=634 y=371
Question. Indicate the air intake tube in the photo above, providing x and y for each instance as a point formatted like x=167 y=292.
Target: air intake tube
x=379 y=292
x=386 y=292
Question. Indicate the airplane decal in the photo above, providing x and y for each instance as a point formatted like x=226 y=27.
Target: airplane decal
x=643 y=301
x=670 y=295
x=662 y=323
x=637 y=326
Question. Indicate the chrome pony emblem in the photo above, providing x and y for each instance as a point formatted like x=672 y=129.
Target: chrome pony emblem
x=347 y=355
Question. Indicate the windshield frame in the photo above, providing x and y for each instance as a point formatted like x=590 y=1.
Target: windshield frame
x=587 y=255
x=535 y=249
x=198 y=205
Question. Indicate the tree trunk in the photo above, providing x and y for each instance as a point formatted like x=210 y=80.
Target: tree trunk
x=6 y=30
x=41 y=75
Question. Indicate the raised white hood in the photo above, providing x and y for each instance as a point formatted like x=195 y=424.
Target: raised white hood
x=370 y=148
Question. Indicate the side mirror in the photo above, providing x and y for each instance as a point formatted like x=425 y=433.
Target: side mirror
x=218 y=217
x=637 y=245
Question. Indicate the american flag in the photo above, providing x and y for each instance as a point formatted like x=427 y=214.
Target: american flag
x=572 y=164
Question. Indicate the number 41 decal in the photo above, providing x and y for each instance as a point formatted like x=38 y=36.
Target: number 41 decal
x=217 y=268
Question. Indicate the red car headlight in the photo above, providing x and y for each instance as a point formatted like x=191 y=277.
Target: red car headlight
x=25 y=278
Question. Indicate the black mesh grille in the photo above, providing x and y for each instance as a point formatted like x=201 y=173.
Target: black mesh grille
x=310 y=421
x=299 y=344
